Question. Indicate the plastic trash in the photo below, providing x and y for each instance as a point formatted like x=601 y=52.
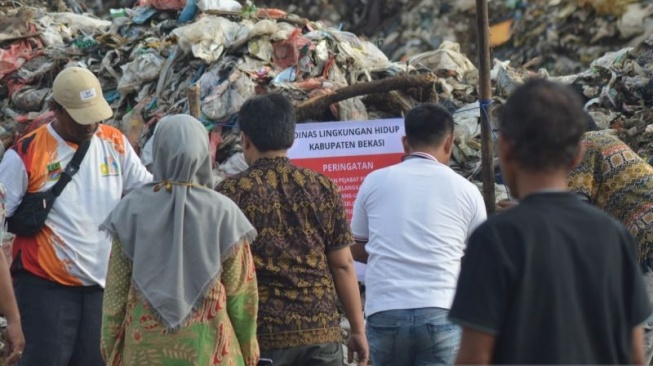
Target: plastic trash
x=227 y=98
x=30 y=99
x=81 y=23
x=610 y=58
x=167 y=4
x=146 y=60
x=446 y=58
x=286 y=52
x=224 y=5
x=208 y=37
x=261 y=48
x=189 y=12
x=19 y=52
x=145 y=67
x=144 y=14
x=352 y=109
x=286 y=76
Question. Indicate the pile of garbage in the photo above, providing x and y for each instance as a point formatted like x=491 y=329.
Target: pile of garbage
x=148 y=56
x=562 y=36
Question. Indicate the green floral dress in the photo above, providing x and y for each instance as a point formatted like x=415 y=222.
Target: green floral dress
x=221 y=332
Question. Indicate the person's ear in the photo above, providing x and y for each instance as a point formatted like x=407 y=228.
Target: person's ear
x=506 y=150
x=54 y=107
x=579 y=156
x=448 y=145
x=404 y=143
x=245 y=141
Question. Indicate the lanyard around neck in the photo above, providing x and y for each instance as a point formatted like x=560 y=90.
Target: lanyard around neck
x=419 y=155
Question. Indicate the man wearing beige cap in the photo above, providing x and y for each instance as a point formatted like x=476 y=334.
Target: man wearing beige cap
x=60 y=270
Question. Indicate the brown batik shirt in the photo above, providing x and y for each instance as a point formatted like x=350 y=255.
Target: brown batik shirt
x=300 y=217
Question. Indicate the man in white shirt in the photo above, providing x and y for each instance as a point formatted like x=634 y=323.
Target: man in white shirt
x=411 y=222
x=60 y=271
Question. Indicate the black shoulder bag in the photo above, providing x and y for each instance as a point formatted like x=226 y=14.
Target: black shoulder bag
x=29 y=217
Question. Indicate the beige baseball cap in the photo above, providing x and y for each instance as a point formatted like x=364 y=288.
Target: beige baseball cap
x=80 y=93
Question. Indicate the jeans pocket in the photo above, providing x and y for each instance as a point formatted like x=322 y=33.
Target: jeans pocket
x=382 y=339
x=330 y=349
x=445 y=340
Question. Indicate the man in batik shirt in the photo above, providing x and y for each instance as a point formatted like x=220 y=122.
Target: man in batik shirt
x=301 y=254
x=614 y=178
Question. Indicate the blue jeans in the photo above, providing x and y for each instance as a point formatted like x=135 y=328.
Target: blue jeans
x=417 y=337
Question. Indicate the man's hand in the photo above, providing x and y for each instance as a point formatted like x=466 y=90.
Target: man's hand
x=342 y=268
x=357 y=343
x=16 y=341
x=505 y=205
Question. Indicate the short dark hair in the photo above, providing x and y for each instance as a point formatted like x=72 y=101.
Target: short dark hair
x=428 y=124
x=591 y=125
x=544 y=121
x=269 y=121
x=54 y=105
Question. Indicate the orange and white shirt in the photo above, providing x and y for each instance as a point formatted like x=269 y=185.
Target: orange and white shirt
x=70 y=249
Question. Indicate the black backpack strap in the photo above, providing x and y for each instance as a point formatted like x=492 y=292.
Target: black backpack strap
x=71 y=169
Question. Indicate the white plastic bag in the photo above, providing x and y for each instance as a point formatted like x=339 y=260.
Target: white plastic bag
x=224 y=5
x=81 y=23
x=208 y=37
x=446 y=57
x=145 y=67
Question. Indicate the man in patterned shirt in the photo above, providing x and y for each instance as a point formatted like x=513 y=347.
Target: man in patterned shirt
x=301 y=254
x=614 y=178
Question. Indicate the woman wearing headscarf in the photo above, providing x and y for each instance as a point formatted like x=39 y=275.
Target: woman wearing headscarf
x=181 y=287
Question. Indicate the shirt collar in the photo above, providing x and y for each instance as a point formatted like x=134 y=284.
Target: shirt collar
x=271 y=161
x=419 y=155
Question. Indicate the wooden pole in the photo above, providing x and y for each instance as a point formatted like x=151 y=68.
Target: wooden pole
x=485 y=95
x=194 y=101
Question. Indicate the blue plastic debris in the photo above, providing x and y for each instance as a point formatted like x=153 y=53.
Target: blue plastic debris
x=286 y=76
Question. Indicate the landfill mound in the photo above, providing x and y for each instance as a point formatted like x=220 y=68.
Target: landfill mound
x=147 y=57
x=562 y=36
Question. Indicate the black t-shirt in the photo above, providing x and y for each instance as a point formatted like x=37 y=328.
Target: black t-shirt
x=555 y=280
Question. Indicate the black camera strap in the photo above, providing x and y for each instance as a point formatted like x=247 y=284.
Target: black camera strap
x=71 y=169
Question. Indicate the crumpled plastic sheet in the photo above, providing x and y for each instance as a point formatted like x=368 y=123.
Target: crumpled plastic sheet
x=286 y=76
x=49 y=34
x=506 y=79
x=446 y=58
x=352 y=109
x=81 y=23
x=145 y=67
x=30 y=99
x=609 y=59
x=286 y=53
x=224 y=5
x=210 y=36
x=17 y=54
x=225 y=97
x=261 y=48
